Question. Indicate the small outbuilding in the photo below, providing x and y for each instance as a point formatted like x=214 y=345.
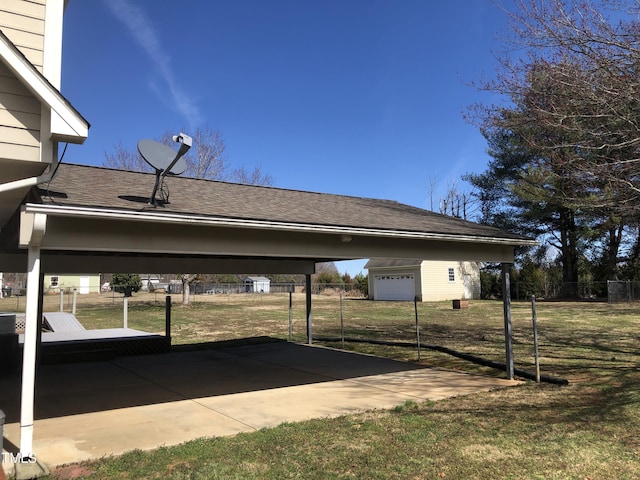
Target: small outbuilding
x=257 y=285
x=426 y=280
x=84 y=283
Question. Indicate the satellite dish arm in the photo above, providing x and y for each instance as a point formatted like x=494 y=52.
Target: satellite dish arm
x=185 y=145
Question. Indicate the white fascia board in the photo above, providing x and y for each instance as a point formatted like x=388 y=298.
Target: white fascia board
x=52 y=61
x=213 y=221
x=67 y=124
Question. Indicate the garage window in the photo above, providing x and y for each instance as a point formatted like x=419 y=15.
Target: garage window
x=452 y=275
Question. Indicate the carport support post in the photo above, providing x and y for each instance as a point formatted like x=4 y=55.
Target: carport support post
x=32 y=324
x=167 y=317
x=508 y=332
x=308 y=295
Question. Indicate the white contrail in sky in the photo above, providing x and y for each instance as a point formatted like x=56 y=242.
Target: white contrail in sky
x=141 y=28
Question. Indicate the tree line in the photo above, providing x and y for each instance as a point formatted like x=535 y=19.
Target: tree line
x=326 y=276
x=564 y=140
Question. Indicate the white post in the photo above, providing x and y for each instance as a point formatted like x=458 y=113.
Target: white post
x=61 y=299
x=32 y=324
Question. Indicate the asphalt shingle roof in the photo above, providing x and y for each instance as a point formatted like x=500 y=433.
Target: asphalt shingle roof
x=102 y=188
x=393 y=262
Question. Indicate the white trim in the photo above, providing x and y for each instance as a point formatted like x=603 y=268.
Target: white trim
x=52 y=60
x=174 y=218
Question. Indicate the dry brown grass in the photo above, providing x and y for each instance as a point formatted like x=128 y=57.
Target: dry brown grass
x=585 y=430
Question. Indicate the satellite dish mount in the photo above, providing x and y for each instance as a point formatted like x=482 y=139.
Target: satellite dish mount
x=165 y=161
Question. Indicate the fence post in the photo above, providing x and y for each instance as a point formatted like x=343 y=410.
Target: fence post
x=508 y=329
x=167 y=318
x=415 y=306
x=341 y=322
x=290 y=316
x=535 y=336
x=309 y=314
x=75 y=301
x=61 y=299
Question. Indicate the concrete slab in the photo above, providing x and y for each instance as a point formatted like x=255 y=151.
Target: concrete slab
x=90 y=410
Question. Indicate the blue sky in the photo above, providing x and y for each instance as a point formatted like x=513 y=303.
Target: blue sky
x=354 y=97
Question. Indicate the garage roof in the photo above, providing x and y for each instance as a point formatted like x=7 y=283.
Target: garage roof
x=393 y=262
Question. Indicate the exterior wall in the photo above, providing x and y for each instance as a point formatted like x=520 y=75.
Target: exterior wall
x=19 y=120
x=68 y=282
x=432 y=280
x=436 y=285
x=23 y=23
x=24 y=122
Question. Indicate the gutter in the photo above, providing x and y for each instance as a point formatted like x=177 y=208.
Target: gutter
x=33 y=181
x=170 y=218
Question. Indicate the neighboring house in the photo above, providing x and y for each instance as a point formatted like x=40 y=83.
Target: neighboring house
x=83 y=283
x=257 y=285
x=428 y=280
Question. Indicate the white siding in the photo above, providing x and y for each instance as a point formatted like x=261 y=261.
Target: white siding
x=436 y=284
x=19 y=120
x=22 y=22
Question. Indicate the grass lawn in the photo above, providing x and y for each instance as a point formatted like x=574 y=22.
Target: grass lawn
x=586 y=430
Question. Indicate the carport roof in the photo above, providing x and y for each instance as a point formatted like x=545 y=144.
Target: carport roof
x=108 y=189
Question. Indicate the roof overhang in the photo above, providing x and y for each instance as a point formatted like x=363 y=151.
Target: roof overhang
x=67 y=125
x=78 y=239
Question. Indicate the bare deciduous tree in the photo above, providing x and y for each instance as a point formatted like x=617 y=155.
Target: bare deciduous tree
x=569 y=74
x=573 y=86
x=205 y=159
x=124 y=159
x=254 y=177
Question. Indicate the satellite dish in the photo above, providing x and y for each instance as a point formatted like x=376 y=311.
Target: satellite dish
x=164 y=160
x=160 y=156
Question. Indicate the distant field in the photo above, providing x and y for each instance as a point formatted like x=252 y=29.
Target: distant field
x=586 y=430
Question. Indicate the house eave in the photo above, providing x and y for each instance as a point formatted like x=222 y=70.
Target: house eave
x=217 y=221
x=67 y=124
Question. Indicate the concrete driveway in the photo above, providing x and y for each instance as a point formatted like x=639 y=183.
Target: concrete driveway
x=88 y=410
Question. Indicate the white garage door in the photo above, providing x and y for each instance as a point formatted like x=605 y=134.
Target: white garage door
x=395 y=287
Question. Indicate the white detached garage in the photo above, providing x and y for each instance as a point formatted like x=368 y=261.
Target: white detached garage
x=428 y=280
